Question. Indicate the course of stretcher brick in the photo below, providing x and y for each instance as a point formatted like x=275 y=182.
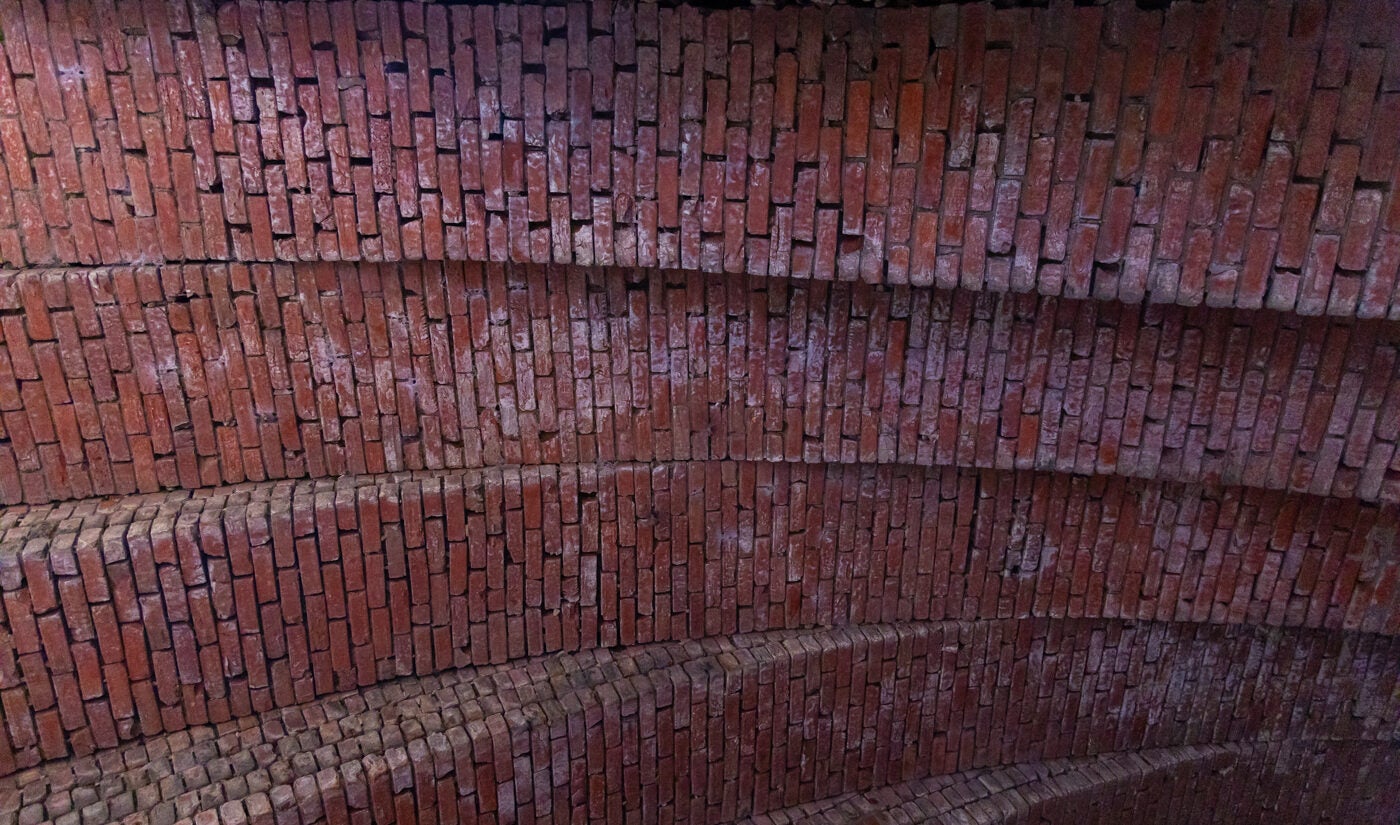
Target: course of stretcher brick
x=1191 y=784
x=1234 y=153
x=650 y=412
x=713 y=730
x=137 y=379
x=149 y=613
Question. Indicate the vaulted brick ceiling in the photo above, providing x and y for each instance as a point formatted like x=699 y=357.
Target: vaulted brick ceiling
x=422 y=413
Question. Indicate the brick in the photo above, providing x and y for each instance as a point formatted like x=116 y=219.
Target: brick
x=1156 y=117
x=540 y=404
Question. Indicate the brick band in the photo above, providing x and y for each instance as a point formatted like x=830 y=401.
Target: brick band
x=154 y=612
x=1286 y=782
x=1233 y=154
x=114 y=381
x=811 y=714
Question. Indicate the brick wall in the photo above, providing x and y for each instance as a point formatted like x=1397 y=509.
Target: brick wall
x=125 y=380
x=582 y=412
x=155 y=612
x=1315 y=781
x=1237 y=155
x=714 y=731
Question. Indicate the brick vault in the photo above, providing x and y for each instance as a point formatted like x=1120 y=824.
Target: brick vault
x=634 y=413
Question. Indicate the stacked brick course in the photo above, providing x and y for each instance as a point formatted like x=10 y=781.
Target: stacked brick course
x=180 y=376
x=1236 y=154
x=1169 y=786
x=610 y=411
x=159 y=611
x=715 y=730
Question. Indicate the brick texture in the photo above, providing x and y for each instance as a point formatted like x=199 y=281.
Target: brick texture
x=634 y=412
x=1297 y=782
x=116 y=381
x=155 y=612
x=715 y=730
x=1232 y=154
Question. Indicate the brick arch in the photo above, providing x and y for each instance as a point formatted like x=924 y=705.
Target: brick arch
x=1107 y=151
x=184 y=376
x=353 y=351
x=649 y=728
x=152 y=613
x=1288 y=781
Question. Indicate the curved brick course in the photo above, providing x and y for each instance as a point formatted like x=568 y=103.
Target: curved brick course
x=1302 y=782
x=658 y=732
x=113 y=381
x=153 y=612
x=632 y=412
x=1229 y=153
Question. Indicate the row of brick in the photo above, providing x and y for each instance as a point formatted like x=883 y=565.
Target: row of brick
x=709 y=732
x=144 y=614
x=115 y=381
x=1278 y=784
x=1232 y=153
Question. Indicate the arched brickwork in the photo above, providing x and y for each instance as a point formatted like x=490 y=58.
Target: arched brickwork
x=665 y=728
x=1235 y=154
x=1297 y=782
x=161 y=611
x=628 y=412
x=124 y=380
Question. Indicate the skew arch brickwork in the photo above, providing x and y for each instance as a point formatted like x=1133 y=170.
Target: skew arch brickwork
x=612 y=411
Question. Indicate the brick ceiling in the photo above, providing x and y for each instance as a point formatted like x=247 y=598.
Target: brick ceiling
x=620 y=412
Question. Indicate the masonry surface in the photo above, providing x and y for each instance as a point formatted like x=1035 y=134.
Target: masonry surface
x=621 y=412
